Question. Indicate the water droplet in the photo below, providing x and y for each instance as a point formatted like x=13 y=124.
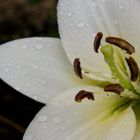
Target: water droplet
x=46 y=64
x=121 y=7
x=39 y=46
x=57 y=119
x=7 y=69
x=104 y=1
x=34 y=66
x=24 y=72
x=29 y=84
x=115 y=22
x=77 y=11
x=68 y=138
x=46 y=95
x=18 y=88
x=40 y=39
x=18 y=67
x=81 y=24
x=43 y=82
x=93 y=4
x=42 y=118
x=35 y=97
x=28 y=137
x=69 y=14
x=61 y=12
x=24 y=46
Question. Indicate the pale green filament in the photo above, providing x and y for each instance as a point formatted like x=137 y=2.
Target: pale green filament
x=117 y=73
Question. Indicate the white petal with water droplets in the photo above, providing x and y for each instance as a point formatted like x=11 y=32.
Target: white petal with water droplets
x=37 y=67
x=68 y=120
x=115 y=18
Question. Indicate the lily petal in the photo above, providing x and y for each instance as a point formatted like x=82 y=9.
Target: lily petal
x=64 y=119
x=37 y=67
x=80 y=20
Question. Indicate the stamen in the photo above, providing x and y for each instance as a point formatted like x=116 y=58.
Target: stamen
x=134 y=69
x=121 y=43
x=77 y=68
x=84 y=94
x=97 y=41
x=116 y=88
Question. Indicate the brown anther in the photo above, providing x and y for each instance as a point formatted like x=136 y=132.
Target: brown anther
x=77 y=68
x=134 y=69
x=121 y=43
x=97 y=41
x=84 y=94
x=116 y=88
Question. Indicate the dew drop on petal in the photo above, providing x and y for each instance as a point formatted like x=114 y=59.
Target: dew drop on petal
x=18 y=67
x=81 y=24
x=29 y=85
x=93 y=4
x=60 y=12
x=24 y=46
x=42 y=118
x=69 y=14
x=121 y=7
x=34 y=66
x=28 y=137
x=46 y=96
x=39 y=46
x=68 y=138
x=35 y=97
x=7 y=69
x=57 y=119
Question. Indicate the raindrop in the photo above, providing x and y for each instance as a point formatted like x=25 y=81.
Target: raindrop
x=42 y=118
x=68 y=138
x=7 y=69
x=61 y=12
x=46 y=95
x=24 y=46
x=18 y=88
x=18 y=67
x=39 y=46
x=34 y=66
x=57 y=119
x=35 y=97
x=28 y=137
x=40 y=39
x=24 y=72
x=77 y=11
x=43 y=82
x=46 y=64
x=81 y=24
x=93 y=5
x=69 y=14
x=121 y=7
x=115 y=22
x=29 y=85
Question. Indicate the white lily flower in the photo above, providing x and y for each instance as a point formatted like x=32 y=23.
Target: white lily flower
x=39 y=68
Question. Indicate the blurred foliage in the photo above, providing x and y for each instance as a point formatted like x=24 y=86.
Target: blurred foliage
x=27 y=18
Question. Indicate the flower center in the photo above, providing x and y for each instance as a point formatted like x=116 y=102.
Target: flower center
x=118 y=54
